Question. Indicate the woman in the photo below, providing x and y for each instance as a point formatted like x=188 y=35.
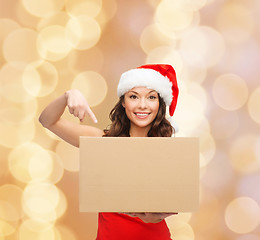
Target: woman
x=144 y=93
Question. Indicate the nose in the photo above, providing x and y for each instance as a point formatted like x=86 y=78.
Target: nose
x=142 y=103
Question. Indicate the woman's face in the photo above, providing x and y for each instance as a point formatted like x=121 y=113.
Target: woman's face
x=141 y=106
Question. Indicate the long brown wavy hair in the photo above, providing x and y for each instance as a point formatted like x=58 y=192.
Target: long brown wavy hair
x=120 y=124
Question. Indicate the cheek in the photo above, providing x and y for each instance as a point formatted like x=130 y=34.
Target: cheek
x=129 y=106
x=127 y=109
x=155 y=107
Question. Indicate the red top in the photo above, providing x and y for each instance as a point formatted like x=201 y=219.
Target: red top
x=115 y=226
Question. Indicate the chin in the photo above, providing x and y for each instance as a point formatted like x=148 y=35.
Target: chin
x=143 y=125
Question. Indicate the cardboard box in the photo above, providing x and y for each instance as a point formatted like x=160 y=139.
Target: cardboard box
x=123 y=174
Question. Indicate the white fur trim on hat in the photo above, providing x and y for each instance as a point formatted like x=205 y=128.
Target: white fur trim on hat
x=174 y=125
x=141 y=77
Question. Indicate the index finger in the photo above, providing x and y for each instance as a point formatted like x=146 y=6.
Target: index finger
x=91 y=114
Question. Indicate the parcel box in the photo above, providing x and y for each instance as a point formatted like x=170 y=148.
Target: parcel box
x=146 y=174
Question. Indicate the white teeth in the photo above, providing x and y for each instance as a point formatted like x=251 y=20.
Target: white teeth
x=141 y=114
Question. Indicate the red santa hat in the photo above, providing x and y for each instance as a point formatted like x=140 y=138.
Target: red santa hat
x=159 y=77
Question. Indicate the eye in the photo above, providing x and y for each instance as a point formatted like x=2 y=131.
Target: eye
x=133 y=96
x=152 y=97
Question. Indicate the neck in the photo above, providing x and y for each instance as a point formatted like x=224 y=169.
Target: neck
x=136 y=131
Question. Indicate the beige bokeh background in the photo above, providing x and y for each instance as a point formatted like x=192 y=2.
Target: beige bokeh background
x=49 y=46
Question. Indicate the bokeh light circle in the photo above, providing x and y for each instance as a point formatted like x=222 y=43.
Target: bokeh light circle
x=84 y=7
x=40 y=165
x=230 y=92
x=30 y=161
x=40 y=197
x=69 y=156
x=10 y=209
x=242 y=215
x=199 y=92
x=17 y=43
x=192 y=5
x=108 y=11
x=183 y=217
x=62 y=205
x=8 y=212
x=23 y=16
x=65 y=233
x=7 y=26
x=243 y=156
x=43 y=8
x=171 y=16
x=31 y=80
x=11 y=75
x=14 y=134
x=17 y=112
x=48 y=213
x=83 y=32
x=52 y=43
x=6 y=229
x=12 y=195
x=192 y=117
x=195 y=74
x=152 y=38
x=59 y=19
x=181 y=230
x=40 y=80
x=92 y=85
x=57 y=168
x=206 y=48
x=253 y=105
x=207 y=147
x=235 y=22
x=32 y=229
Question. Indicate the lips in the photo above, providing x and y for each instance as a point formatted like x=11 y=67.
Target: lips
x=142 y=115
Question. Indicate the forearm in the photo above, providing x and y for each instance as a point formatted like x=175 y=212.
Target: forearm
x=53 y=111
x=151 y=217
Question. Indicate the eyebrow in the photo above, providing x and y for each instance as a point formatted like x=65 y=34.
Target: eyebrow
x=138 y=93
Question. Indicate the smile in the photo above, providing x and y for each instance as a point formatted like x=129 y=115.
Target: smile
x=142 y=115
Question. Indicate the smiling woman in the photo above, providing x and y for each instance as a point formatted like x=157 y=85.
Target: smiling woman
x=141 y=103
x=141 y=107
x=140 y=112
x=143 y=111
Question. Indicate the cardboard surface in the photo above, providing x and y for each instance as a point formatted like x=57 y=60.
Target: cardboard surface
x=123 y=174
